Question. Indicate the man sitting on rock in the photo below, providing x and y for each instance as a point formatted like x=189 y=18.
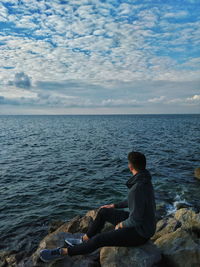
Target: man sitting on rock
x=132 y=228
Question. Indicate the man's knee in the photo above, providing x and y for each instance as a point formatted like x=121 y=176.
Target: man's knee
x=96 y=239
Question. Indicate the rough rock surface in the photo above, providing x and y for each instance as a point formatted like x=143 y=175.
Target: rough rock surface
x=146 y=256
x=176 y=243
x=178 y=238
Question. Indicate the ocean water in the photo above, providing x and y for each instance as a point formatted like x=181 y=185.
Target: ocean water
x=56 y=167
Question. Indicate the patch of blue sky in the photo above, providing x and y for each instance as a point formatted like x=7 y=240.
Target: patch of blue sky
x=8 y=67
x=40 y=37
x=179 y=3
x=180 y=56
x=64 y=2
x=18 y=8
x=85 y=51
x=4 y=25
x=9 y=28
x=11 y=8
x=14 y=9
x=182 y=20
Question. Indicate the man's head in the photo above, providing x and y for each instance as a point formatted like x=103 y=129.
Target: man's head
x=136 y=161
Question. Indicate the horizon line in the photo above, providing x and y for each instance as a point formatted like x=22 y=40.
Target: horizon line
x=100 y=114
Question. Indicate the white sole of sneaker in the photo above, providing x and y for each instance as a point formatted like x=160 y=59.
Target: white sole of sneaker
x=68 y=243
x=43 y=259
x=73 y=241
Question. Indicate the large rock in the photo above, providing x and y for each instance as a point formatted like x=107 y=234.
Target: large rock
x=164 y=226
x=79 y=225
x=180 y=248
x=11 y=258
x=178 y=238
x=188 y=218
x=57 y=240
x=54 y=225
x=76 y=227
x=141 y=256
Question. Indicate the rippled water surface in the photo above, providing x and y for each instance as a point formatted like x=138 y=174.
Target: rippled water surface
x=55 y=167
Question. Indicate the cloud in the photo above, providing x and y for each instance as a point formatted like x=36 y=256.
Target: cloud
x=120 y=103
x=193 y=100
x=7 y=101
x=57 y=101
x=179 y=14
x=99 y=53
x=3 y=13
x=156 y=99
x=21 y=80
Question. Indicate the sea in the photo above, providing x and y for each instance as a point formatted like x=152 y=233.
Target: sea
x=54 y=167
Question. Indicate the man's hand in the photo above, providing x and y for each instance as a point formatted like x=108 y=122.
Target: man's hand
x=119 y=225
x=108 y=206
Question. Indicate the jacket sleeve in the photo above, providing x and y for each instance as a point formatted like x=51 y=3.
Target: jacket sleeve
x=137 y=205
x=122 y=204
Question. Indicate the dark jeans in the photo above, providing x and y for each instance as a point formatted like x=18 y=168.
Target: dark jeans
x=123 y=237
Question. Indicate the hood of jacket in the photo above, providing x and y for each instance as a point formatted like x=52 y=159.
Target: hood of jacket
x=143 y=176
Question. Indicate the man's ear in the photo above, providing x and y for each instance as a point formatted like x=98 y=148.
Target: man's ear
x=131 y=167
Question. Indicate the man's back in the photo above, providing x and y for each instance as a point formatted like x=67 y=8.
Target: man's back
x=141 y=203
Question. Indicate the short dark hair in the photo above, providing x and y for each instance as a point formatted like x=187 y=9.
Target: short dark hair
x=137 y=159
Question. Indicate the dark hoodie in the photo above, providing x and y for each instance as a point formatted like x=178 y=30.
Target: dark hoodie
x=141 y=203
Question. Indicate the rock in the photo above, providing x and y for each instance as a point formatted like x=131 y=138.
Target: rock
x=188 y=218
x=81 y=224
x=180 y=248
x=57 y=240
x=76 y=226
x=197 y=173
x=145 y=256
x=3 y=256
x=78 y=223
x=164 y=226
x=10 y=258
x=54 y=225
x=179 y=238
x=180 y=205
x=176 y=241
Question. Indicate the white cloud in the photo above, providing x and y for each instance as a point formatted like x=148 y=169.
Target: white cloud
x=3 y=13
x=175 y=14
x=119 y=102
x=156 y=99
x=195 y=98
x=89 y=44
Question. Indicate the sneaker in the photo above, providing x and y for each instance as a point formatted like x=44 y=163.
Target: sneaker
x=71 y=241
x=47 y=255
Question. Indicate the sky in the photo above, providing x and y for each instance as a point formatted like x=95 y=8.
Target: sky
x=99 y=57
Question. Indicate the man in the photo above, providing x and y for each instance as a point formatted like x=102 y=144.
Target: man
x=132 y=228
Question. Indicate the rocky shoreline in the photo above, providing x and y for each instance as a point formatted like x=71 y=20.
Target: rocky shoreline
x=175 y=243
